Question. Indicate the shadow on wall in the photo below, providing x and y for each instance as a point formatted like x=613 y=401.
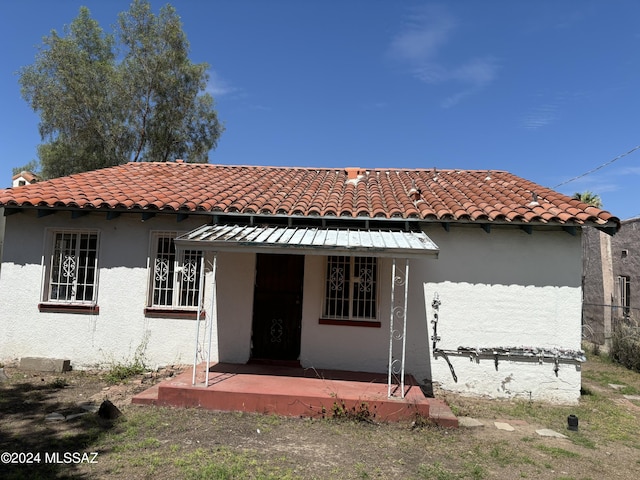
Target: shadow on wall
x=507 y=256
x=123 y=242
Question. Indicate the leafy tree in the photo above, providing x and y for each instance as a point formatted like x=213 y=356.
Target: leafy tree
x=32 y=167
x=134 y=95
x=589 y=198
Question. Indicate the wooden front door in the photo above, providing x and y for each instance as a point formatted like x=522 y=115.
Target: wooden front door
x=277 y=307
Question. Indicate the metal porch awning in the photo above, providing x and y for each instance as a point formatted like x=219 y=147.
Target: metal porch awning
x=309 y=241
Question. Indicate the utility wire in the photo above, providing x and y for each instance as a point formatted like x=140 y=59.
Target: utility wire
x=599 y=167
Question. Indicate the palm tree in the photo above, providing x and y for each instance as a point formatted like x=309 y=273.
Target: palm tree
x=589 y=198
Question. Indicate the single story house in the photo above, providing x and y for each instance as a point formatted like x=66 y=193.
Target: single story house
x=467 y=279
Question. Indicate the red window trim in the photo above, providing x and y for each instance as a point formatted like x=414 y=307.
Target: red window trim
x=180 y=314
x=69 y=308
x=350 y=323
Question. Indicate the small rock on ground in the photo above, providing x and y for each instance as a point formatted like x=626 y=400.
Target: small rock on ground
x=504 y=426
x=545 y=432
x=54 y=417
x=469 y=422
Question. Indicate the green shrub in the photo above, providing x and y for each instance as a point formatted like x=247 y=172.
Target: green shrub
x=625 y=346
x=122 y=371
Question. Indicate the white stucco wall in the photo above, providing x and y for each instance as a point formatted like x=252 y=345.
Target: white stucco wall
x=502 y=289
x=121 y=327
x=336 y=346
x=507 y=289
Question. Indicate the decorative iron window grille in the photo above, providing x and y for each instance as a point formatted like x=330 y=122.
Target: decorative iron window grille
x=175 y=281
x=351 y=288
x=73 y=268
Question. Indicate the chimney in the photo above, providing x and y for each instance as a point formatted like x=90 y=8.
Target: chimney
x=353 y=172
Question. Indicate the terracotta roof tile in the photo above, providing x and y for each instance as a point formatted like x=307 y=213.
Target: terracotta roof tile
x=434 y=195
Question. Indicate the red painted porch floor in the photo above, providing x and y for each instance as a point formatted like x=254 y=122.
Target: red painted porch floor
x=296 y=391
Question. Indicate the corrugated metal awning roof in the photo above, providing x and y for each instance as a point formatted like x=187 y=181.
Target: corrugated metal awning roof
x=309 y=241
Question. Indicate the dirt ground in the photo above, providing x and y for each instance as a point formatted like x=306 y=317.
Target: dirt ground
x=152 y=442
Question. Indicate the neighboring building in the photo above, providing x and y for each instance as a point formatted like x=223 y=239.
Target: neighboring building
x=25 y=178
x=611 y=279
x=416 y=271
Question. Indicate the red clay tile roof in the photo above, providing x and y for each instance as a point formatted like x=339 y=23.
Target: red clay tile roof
x=442 y=195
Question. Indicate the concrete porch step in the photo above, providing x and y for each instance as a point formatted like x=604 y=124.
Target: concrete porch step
x=291 y=391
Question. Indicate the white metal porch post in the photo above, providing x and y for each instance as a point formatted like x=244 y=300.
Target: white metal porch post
x=210 y=319
x=396 y=365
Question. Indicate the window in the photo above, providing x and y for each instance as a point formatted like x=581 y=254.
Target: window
x=624 y=294
x=71 y=271
x=351 y=288
x=175 y=282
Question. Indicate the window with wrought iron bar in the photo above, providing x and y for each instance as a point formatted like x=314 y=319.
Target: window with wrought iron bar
x=351 y=288
x=71 y=271
x=175 y=282
x=624 y=293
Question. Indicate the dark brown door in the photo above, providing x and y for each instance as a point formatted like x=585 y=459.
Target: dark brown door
x=277 y=307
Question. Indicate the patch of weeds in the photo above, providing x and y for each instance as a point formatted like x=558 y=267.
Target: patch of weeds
x=58 y=382
x=147 y=419
x=361 y=470
x=501 y=455
x=581 y=440
x=625 y=346
x=557 y=452
x=629 y=390
x=148 y=443
x=592 y=348
x=474 y=471
x=527 y=460
x=223 y=463
x=357 y=413
x=420 y=421
x=267 y=422
x=127 y=368
x=437 y=471
x=123 y=371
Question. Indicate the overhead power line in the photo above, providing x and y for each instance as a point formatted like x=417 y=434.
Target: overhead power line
x=598 y=167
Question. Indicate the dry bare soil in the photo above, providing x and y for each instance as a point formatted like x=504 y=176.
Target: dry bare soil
x=159 y=443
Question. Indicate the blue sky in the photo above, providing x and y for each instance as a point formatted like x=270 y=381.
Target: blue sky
x=547 y=90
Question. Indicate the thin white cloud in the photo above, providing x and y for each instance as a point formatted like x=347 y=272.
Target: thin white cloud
x=540 y=116
x=630 y=171
x=427 y=30
x=477 y=71
x=217 y=86
x=421 y=44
